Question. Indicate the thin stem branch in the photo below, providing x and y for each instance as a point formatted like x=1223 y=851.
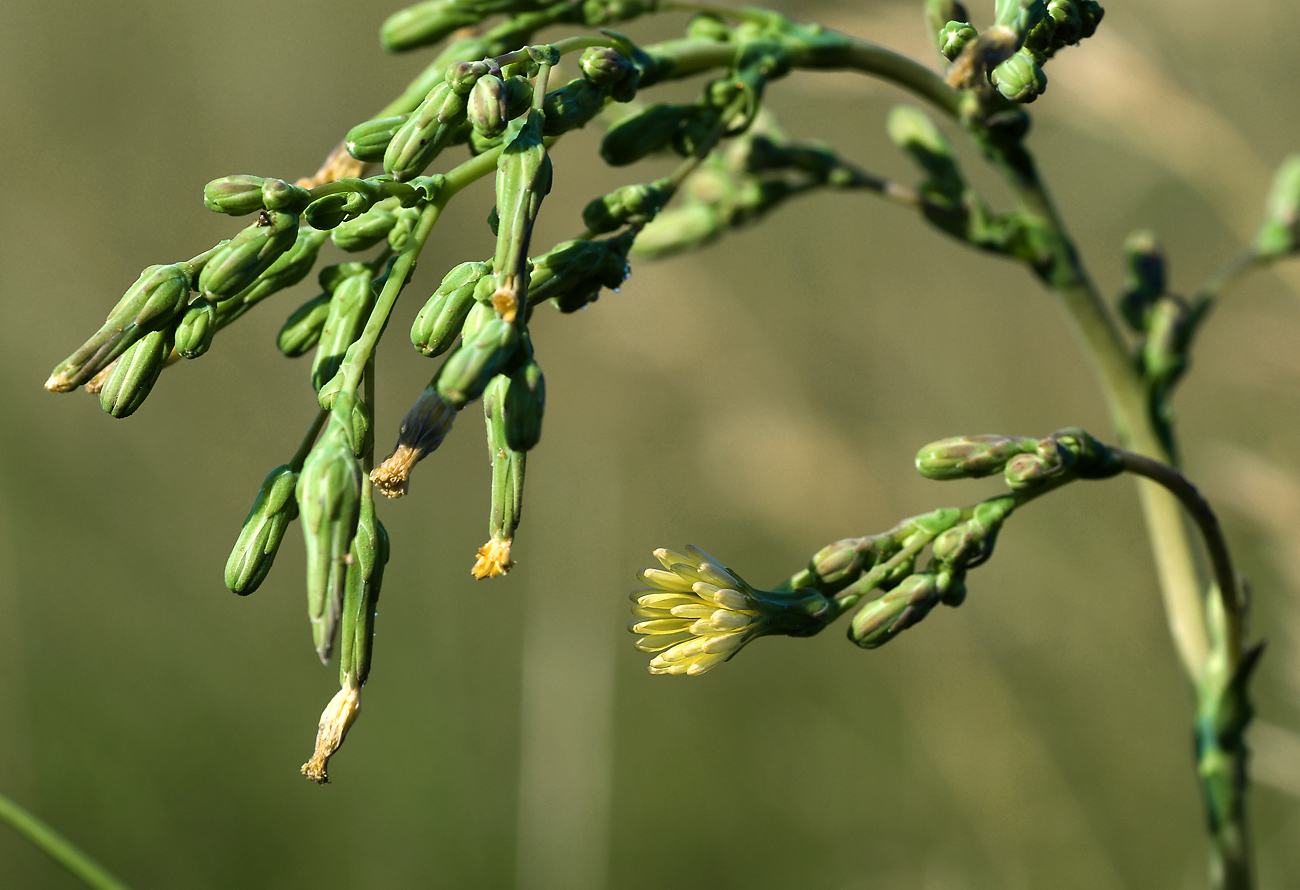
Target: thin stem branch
x=57 y=847
x=304 y=449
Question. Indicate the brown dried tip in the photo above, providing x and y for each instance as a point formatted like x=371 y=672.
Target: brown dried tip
x=60 y=383
x=392 y=478
x=493 y=559
x=96 y=383
x=335 y=720
x=339 y=165
x=505 y=302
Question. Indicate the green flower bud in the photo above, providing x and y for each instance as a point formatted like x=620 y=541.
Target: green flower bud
x=302 y=330
x=630 y=204
x=525 y=402
x=291 y=268
x=363 y=436
x=1067 y=25
x=953 y=39
x=842 y=562
x=647 y=131
x=152 y=303
x=1090 y=13
x=440 y=320
x=349 y=309
x=572 y=106
x=969 y=457
x=1169 y=330
x=234 y=195
x=523 y=179
x=280 y=195
x=939 y=14
x=329 y=496
x=507 y=485
x=481 y=312
x=368 y=141
x=399 y=235
x=365 y=231
x=679 y=229
x=912 y=130
x=1019 y=78
x=197 y=328
x=365 y=575
x=605 y=67
x=969 y=544
x=332 y=210
x=429 y=129
x=1050 y=461
x=1093 y=460
x=1145 y=279
x=707 y=26
x=246 y=256
x=461 y=76
x=573 y=273
x=469 y=369
x=1279 y=234
x=489 y=106
x=263 y=529
x=425 y=23
x=880 y=620
x=134 y=374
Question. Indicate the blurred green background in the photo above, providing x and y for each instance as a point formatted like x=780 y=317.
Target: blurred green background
x=758 y=399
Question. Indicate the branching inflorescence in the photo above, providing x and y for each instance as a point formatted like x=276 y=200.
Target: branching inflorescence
x=493 y=92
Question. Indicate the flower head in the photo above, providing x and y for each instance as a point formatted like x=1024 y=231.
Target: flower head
x=696 y=614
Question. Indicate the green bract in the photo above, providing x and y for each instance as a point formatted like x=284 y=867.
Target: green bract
x=259 y=539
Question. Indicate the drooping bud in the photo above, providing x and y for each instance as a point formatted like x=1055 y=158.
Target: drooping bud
x=246 y=256
x=335 y=721
x=361 y=599
x=263 y=529
x=494 y=558
x=422 y=431
x=302 y=329
x=365 y=231
x=441 y=319
x=525 y=402
x=880 y=620
x=369 y=140
x=630 y=204
x=135 y=372
x=197 y=328
x=970 y=457
x=1279 y=234
x=647 y=131
x=469 y=369
x=329 y=495
x=522 y=181
x=152 y=303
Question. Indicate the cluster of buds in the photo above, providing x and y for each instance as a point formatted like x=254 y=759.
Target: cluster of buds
x=1011 y=54
x=1026 y=463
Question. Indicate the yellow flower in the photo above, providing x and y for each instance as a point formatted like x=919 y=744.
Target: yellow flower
x=697 y=614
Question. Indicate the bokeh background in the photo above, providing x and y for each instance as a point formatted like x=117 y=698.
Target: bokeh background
x=759 y=399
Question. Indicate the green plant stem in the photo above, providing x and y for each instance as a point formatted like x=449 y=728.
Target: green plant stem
x=57 y=847
x=304 y=448
x=1206 y=295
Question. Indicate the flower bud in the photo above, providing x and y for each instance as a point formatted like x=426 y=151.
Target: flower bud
x=1067 y=24
x=489 y=106
x=428 y=130
x=1169 y=330
x=842 y=561
x=678 y=229
x=301 y=330
x=1279 y=234
x=969 y=457
x=1145 y=279
x=1019 y=78
x=399 y=235
x=441 y=319
x=369 y=140
x=1050 y=460
x=914 y=132
x=197 y=328
x=1090 y=13
x=572 y=106
x=365 y=576
x=280 y=195
x=152 y=303
x=365 y=231
x=246 y=256
x=424 y=24
x=291 y=268
x=329 y=496
x=234 y=195
x=572 y=273
x=263 y=529
x=469 y=369
x=422 y=431
x=494 y=557
x=880 y=620
x=1093 y=459
x=647 y=131
x=953 y=39
x=605 y=67
x=525 y=402
x=332 y=210
x=941 y=13
x=349 y=309
x=134 y=374
x=630 y=204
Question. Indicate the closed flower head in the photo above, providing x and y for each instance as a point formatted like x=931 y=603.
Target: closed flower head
x=696 y=614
